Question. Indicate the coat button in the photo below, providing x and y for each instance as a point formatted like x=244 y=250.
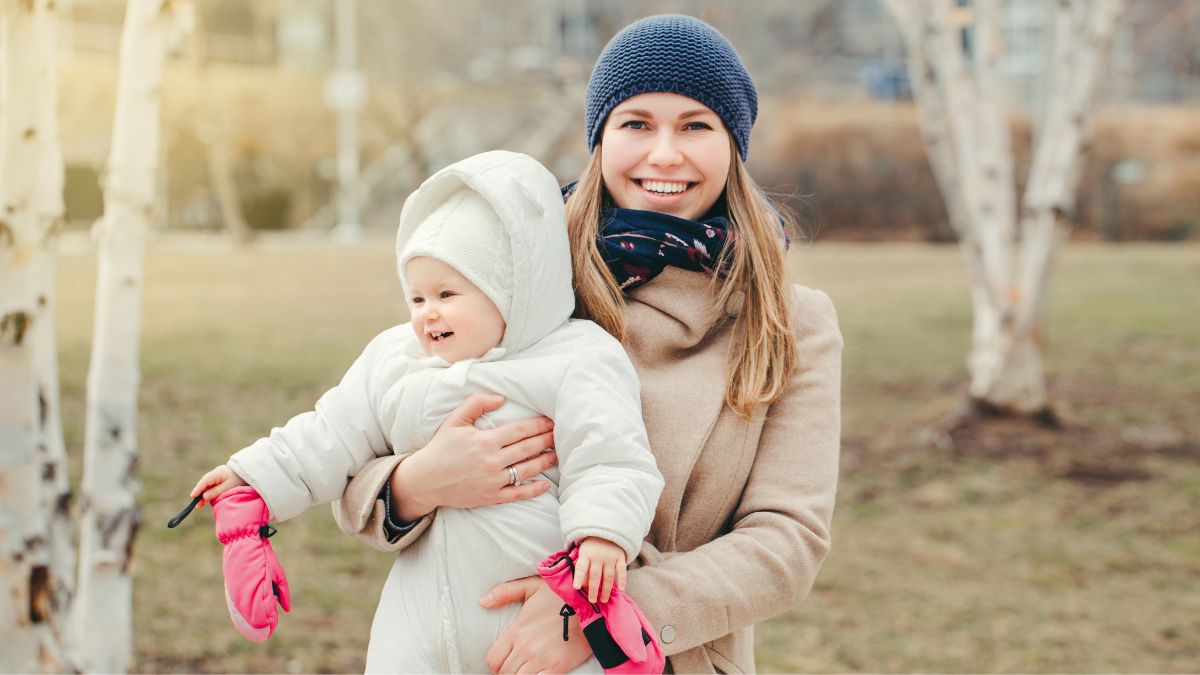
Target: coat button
x=667 y=634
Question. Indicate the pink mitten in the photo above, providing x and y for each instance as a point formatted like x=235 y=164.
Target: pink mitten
x=253 y=575
x=620 y=635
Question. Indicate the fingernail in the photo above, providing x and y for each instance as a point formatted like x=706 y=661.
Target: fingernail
x=486 y=599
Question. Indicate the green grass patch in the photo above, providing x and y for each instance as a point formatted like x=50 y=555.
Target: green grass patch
x=1016 y=552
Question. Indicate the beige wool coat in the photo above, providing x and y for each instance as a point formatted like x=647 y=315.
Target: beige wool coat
x=742 y=526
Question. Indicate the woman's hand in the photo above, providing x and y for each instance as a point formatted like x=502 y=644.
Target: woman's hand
x=464 y=467
x=533 y=643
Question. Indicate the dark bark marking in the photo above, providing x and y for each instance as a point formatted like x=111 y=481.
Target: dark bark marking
x=40 y=595
x=13 y=328
x=108 y=528
x=29 y=134
x=49 y=470
x=134 y=526
x=6 y=233
x=131 y=471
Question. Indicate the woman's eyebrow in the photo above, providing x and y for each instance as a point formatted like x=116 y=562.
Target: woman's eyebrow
x=638 y=112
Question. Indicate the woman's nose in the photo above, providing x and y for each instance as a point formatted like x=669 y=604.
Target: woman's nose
x=665 y=151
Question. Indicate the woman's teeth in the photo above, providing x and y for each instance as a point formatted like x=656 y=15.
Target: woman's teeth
x=664 y=187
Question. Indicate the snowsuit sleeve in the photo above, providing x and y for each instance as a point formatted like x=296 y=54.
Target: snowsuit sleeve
x=780 y=532
x=609 y=482
x=309 y=460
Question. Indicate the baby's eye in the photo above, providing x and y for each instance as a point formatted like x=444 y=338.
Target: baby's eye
x=634 y=124
x=446 y=295
x=696 y=126
x=418 y=300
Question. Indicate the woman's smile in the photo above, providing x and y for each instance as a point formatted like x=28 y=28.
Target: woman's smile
x=663 y=193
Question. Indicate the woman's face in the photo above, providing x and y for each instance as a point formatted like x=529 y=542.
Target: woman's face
x=666 y=153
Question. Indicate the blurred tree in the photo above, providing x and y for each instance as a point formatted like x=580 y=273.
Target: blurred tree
x=954 y=56
x=36 y=551
x=102 y=617
x=211 y=125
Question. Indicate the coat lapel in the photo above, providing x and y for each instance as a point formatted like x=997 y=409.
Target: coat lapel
x=672 y=337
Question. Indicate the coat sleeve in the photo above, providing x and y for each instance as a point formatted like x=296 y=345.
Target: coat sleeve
x=780 y=534
x=308 y=460
x=609 y=483
x=361 y=511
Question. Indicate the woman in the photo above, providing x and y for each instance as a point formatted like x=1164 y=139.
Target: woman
x=680 y=255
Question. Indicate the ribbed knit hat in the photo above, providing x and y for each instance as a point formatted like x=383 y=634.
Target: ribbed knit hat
x=674 y=54
x=466 y=233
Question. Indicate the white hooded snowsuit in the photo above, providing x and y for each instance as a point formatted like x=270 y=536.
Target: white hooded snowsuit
x=394 y=398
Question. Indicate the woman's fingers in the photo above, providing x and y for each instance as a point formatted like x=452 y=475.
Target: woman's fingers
x=513 y=664
x=498 y=653
x=530 y=467
x=517 y=590
x=508 y=434
x=515 y=493
x=529 y=449
x=470 y=409
x=535 y=636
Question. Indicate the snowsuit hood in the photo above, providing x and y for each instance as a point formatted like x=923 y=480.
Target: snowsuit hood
x=528 y=202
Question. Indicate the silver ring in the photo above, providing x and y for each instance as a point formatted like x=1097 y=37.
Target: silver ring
x=512 y=475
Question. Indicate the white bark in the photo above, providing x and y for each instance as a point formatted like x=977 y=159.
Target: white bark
x=35 y=557
x=964 y=120
x=102 y=620
x=55 y=488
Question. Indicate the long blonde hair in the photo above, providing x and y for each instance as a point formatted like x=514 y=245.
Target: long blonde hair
x=762 y=352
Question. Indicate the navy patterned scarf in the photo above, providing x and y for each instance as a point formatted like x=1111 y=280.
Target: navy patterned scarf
x=637 y=245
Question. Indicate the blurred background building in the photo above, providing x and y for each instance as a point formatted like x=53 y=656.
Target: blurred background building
x=250 y=135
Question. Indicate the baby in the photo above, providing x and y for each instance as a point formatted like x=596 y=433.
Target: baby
x=483 y=258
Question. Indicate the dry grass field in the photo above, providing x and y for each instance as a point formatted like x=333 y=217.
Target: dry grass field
x=1001 y=549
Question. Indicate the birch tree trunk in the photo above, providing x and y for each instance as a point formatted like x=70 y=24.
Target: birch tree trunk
x=102 y=619
x=55 y=487
x=965 y=123
x=35 y=544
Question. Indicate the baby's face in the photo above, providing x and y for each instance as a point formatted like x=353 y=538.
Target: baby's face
x=451 y=317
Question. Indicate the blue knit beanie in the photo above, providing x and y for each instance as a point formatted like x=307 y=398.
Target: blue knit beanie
x=678 y=55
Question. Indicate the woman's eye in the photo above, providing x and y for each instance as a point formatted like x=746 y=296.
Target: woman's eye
x=634 y=124
x=697 y=126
